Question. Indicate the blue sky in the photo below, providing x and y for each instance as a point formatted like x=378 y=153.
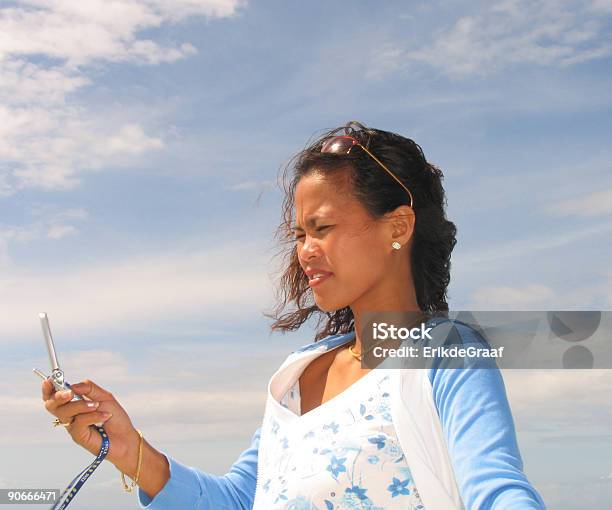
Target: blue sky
x=140 y=144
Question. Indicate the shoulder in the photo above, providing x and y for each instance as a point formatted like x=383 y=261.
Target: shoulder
x=442 y=364
x=329 y=342
x=477 y=373
x=321 y=346
x=445 y=331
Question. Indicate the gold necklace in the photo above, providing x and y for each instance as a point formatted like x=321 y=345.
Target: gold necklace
x=354 y=354
x=359 y=355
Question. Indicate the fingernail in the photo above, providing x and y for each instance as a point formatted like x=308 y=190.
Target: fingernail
x=93 y=404
x=106 y=415
x=65 y=394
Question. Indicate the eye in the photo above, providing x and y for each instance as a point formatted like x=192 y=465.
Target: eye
x=318 y=229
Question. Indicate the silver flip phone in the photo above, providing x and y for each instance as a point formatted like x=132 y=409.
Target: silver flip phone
x=57 y=375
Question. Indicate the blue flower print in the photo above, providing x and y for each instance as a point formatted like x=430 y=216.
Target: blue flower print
x=393 y=450
x=351 y=459
x=358 y=491
x=351 y=501
x=398 y=487
x=362 y=410
x=281 y=495
x=300 y=503
x=384 y=410
x=336 y=465
x=333 y=426
x=378 y=440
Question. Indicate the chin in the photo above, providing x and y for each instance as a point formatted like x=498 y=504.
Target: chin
x=326 y=309
x=330 y=305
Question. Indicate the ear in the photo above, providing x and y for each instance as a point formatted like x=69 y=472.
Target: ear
x=401 y=224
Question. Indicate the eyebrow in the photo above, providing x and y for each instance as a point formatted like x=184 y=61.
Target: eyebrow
x=311 y=222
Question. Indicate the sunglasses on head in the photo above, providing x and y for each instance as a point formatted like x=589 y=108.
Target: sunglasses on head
x=344 y=144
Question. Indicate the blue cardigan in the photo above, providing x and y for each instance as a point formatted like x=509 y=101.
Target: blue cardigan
x=478 y=429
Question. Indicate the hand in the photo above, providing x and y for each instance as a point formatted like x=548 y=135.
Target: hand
x=98 y=406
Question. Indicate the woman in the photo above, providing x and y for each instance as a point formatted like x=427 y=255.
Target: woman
x=364 y=217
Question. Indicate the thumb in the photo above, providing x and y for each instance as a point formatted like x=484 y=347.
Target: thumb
x=91 y=390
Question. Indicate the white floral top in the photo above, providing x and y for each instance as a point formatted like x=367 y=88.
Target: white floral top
x=455 y=427
x=344 y=454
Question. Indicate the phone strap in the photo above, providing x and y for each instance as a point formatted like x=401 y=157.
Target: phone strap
x=69 y=492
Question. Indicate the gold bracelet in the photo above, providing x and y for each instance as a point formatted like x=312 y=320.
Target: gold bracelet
x=126 y=487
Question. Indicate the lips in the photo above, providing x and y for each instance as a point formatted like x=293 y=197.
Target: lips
x=317 y=276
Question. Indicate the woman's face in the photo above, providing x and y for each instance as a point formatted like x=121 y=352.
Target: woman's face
x=334 y=234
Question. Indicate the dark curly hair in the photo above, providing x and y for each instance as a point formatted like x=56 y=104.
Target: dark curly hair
x=433 y=237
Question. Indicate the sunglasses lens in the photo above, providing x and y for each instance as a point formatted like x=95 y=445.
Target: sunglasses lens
x=338 y=145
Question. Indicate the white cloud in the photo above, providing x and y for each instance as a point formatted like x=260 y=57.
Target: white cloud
x=598 y=203
x=587 y=493
x=532 y=296
x=59 y=231
x=49 y=223
x=503 y=34
x=254 y=185
x=530 y=245
x=78 y=33
x=25 y=83
x=47 y=139
x=144 y=288
x=160 y=401
x=172 y=404
x=550 y=393
x=601 y=6
x=131 y=140
x=535 y=296
x=5 y=259
x=70 y=146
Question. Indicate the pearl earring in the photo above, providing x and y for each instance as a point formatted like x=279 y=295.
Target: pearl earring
x=396 y=245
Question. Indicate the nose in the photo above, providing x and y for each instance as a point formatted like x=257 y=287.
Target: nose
x=310 y=249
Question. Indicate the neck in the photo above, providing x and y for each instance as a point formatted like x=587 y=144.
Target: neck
x=395 y=293
x=363 y=319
